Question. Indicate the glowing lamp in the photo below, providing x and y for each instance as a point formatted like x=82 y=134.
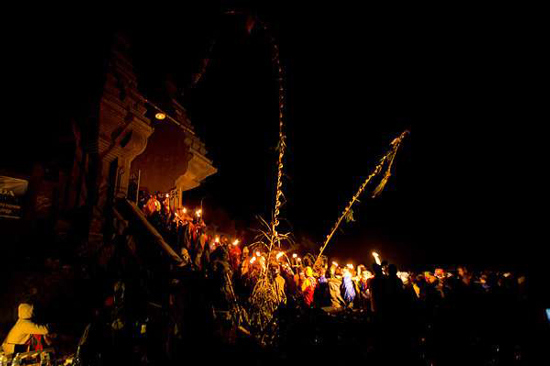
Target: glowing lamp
x=236 y=242
x=335 y=264
x=258 y=253
x=198 y=213
x=294 y=255
x=376 y=258
x=217 y=239
x=160 y=116
x=279 y=255
x=184 y=210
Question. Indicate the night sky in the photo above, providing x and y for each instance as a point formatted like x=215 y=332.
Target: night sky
x=355 y=79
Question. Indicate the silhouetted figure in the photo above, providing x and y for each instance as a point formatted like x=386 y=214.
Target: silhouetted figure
x=377 y=287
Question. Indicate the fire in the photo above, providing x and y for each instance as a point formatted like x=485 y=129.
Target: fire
x=376 y=258
x=236 y=242
x=279 y=255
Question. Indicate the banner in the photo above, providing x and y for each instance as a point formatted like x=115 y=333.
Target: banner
x=12 y=192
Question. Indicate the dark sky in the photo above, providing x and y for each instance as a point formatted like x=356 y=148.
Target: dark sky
x=461 y=81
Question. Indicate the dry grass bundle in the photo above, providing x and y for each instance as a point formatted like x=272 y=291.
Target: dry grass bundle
x=265 y=299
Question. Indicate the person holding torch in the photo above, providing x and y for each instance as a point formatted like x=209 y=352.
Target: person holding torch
x=235 y=254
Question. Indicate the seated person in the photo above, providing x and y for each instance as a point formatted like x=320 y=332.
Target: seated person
x=24 y=329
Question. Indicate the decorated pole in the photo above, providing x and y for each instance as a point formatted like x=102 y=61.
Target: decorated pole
x=281 y=146
x=385 y=161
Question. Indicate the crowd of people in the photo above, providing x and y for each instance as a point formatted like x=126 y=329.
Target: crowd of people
x=427 y=304
x=333 y=285
x=443 y=316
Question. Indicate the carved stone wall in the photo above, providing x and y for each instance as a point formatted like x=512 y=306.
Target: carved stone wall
x=123 y=130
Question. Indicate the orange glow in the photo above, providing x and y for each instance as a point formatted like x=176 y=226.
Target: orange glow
x=184 y=210
x=258 y=253
x=253 y=260
x=160 y=116
x=294 y=255
x=334 y=263
x=217 y=239
x=236 y=242
x=279 y=255
x=198 y=213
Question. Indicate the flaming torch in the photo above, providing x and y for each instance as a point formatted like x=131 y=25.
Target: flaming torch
x=377 y=258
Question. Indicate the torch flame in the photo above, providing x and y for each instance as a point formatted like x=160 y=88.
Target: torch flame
x=279 y=255
x=376 y=258
x=236 y=242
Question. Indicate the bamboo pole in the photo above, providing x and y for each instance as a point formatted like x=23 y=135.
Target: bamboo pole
x=390 y=155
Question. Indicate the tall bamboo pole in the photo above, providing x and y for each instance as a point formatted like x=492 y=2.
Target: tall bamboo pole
x=390 y=155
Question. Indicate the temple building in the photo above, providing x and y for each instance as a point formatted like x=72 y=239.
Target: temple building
x=175 y=158
x=114 y=148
